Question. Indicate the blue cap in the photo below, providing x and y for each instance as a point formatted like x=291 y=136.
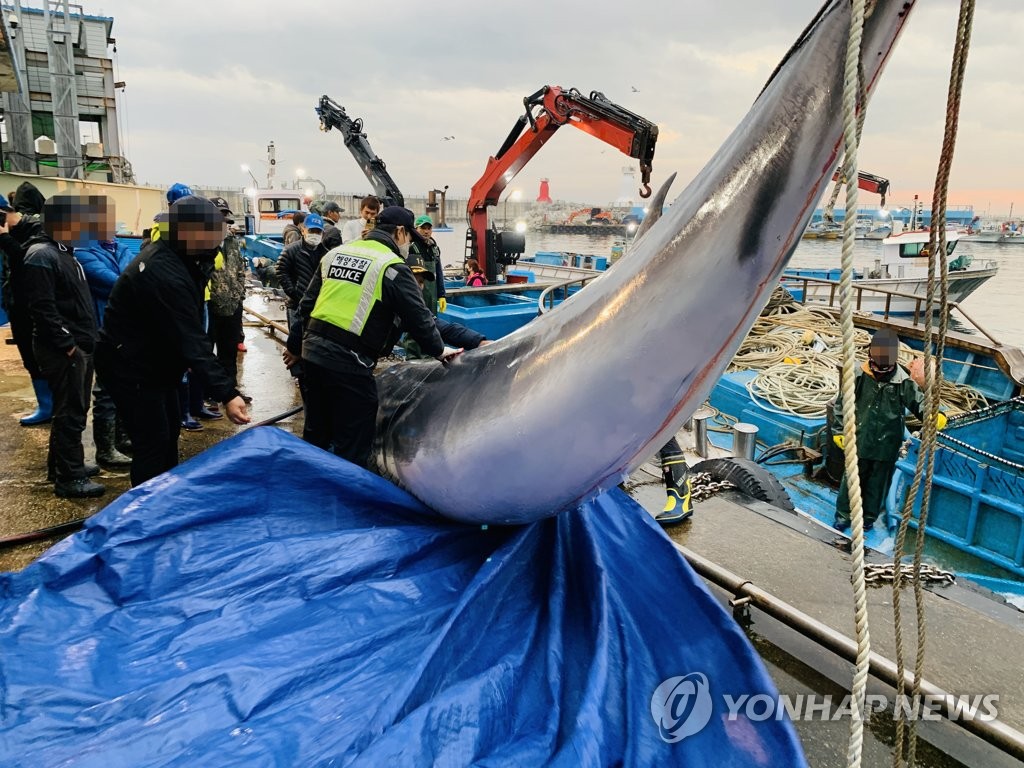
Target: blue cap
x=4 y=205
x=177 y=191
x=313 y=221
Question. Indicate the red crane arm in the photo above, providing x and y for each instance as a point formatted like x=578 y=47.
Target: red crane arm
x=597 y=115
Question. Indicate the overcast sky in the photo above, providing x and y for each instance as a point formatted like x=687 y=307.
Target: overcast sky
x=211 y=84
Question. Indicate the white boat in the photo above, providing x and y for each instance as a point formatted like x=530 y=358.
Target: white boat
x=868 y=228
x=983 y=232
x=902 y=271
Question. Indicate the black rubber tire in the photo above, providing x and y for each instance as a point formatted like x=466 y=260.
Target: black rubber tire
x=750 y=477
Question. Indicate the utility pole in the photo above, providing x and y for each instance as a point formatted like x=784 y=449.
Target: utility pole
x=271 y=164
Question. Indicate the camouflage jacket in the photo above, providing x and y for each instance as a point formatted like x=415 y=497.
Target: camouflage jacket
x=227 y=284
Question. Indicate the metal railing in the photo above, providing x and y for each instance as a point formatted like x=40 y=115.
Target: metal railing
x=547 y=298
x=789 y=282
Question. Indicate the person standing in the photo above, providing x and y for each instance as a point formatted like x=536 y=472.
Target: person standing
x=431 y=254
x=227 y=292
x=22 y=223
x=64 y=333
x=353 y=312
x=153 y=332
x=292 y=232
x=332 y=232
x=103 y=260
x=299 y=262
x=474 y=277
x=353 y=230
x=883 y=392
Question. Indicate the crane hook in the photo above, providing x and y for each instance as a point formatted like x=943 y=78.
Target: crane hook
x=645 y=191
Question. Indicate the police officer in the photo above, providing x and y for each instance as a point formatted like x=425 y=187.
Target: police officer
x=357 y=304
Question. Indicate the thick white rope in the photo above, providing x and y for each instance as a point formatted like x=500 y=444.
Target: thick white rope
x=851 y=137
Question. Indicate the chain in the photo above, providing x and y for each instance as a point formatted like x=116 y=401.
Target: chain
x=703 y=486
x=876 y=574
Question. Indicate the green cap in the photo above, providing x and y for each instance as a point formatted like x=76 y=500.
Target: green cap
x=424 y=219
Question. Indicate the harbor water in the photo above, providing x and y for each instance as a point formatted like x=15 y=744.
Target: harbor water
x=995 y=305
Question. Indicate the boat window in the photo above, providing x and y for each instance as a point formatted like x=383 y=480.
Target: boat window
x=913 y=250
x=278 y=204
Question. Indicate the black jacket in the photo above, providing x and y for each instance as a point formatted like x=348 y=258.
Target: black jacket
x=54 y=285
x=153 y=324
x=295 y=268
x=400 y=294
x=332 y=235
x=12 y=245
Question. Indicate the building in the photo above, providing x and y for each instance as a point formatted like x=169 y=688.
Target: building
x=59 y=93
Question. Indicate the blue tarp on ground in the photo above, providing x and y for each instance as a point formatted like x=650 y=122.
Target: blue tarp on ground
x=267 y=604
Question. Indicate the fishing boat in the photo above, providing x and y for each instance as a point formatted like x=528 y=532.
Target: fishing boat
x=979 y=479
x=900 y=275
x=869 y=228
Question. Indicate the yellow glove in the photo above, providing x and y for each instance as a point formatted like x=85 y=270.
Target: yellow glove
x=442 y=305
x=838 y=440
x=941 y=421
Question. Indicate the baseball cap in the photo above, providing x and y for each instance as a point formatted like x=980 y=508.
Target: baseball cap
x=178 y=191
x=224 y=208
x=397 y=216
x=330 y=207
x=416 y=265
x=424 y=219
x=4 y=205
x=195 y=209
x=313 y=221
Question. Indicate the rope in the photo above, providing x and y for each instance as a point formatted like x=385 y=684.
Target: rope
x=798 y=355
x=926 y=456
x=851 y=139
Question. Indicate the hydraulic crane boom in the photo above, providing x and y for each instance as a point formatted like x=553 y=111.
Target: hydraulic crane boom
x=333 y=115
x=597 y=115
x=866 y=181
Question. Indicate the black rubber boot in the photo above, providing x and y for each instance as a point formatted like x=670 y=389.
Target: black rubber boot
x=122 y=441
x=106 y=451
x=83 y=488
x=675 y=473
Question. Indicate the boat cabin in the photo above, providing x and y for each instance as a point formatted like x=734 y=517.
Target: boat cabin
x=905 y=254
x=268 y=211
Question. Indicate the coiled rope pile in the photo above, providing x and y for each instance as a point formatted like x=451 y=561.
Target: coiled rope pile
x=798 y=355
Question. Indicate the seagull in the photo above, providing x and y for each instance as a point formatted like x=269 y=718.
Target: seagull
x=447 y=138
x=635 y=89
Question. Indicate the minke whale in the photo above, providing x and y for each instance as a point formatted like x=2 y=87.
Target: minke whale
x=567 y=406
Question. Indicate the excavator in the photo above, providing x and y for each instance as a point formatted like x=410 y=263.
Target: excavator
x=592 y=216
x=547 y=110
x=333 y=115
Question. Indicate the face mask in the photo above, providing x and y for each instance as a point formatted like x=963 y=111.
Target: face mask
x=314 y=240
x=404 y=250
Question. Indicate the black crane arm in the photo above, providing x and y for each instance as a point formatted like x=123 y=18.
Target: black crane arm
x=333 y=115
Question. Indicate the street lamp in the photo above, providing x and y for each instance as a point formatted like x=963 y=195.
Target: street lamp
x=514 y=194
x=247 y=169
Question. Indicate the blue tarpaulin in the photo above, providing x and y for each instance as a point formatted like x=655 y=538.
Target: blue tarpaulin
x=268 y=604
